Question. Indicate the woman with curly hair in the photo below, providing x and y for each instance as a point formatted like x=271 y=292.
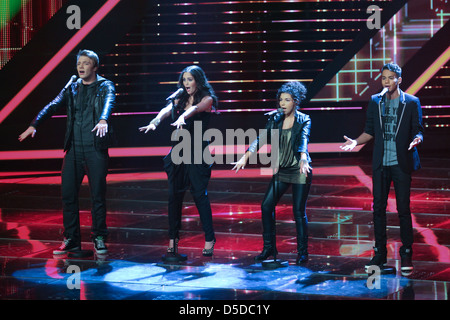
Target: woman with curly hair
x=194 y=103
x=294 y=167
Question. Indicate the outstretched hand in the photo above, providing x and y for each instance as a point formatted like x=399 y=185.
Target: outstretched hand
x=239 y=164
x=179 y=123
x=305 y=167
x=30 y=131
x=414 y=143
x=151 y=126
x=349 y=144
x=102 y=128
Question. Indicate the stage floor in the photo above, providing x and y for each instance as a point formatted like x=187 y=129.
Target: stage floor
x=340 y=239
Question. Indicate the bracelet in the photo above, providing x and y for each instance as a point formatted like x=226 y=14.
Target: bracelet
x=155 y=121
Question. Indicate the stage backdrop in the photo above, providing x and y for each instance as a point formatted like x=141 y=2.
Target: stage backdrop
x=248 y=49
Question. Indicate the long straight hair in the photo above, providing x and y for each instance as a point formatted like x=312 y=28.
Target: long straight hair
x=203 y=87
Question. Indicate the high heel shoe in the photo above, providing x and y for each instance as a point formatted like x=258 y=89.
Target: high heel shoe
x=174 y=249
x=209 y=252
x=172 y=253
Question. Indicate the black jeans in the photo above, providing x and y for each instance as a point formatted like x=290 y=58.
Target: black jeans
x=180 y=178
x=382 y=179
x=299 y=197
x=78 y=162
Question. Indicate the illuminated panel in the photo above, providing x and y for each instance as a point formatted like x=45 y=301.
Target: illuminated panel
x=430 y=72
x=397 y=41
x=57 y=58
x=247 y=48
x=20 y=20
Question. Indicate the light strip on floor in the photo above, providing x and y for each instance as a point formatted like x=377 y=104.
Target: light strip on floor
x=331 y=147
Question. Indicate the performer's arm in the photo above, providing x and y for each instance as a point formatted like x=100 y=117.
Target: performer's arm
x=242 y=162
x=108 y=105
x=254 y=147
x=303 y=149
x=368 y=133
x=417 y=126
x=44 y=114
x=352 y=143
x=414 y=143
x=204 y=105
x=304 y=164
x=30 y=131
x=164 y=113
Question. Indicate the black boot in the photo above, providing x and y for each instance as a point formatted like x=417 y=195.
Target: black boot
x=301 y=258
x=269 y=248
x=379 y=259
x=302 y=240
x=302 y=249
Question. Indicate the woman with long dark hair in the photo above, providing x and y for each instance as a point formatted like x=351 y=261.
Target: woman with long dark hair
x=294 y=167
x=192 y=106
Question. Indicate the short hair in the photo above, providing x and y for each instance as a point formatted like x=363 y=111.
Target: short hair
x=90 y=54
x=391 y=66
x=296 y=89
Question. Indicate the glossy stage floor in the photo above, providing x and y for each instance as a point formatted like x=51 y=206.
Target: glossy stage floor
x=340 y=240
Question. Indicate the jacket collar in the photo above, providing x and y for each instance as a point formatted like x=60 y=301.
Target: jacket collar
x=401 y=110
x=297 y=116
x=402 y=97
x=99 y=79
x=296 y=127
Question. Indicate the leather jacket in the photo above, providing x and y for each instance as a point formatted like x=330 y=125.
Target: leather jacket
x=300 y=133
x=103 y=103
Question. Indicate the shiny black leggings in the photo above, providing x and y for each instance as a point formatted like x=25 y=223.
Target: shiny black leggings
x=273 y=194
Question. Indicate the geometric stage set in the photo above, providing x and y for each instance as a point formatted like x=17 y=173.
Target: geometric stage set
x=248 y=49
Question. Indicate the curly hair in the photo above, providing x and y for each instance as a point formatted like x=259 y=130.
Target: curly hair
x=296 y=89
x=203 y=87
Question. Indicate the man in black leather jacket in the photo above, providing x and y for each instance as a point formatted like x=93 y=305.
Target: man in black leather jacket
x=89 y=102
x=394 y=122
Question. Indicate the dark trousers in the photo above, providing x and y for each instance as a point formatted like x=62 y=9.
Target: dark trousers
x=382 y=179
x=180 y=178
x=299 y=196
x=78 y=162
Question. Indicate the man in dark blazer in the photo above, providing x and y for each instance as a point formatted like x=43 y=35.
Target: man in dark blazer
x=394 y=121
